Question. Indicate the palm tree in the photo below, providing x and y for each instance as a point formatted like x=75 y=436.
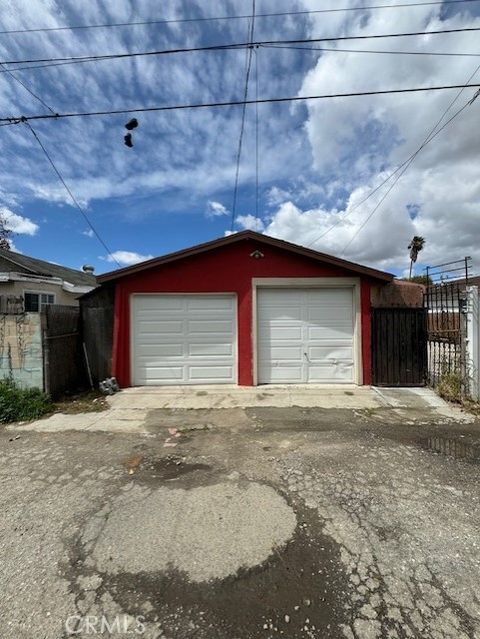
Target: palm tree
x=415 y=246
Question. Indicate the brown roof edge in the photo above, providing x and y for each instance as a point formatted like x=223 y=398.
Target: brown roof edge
x=236 y=237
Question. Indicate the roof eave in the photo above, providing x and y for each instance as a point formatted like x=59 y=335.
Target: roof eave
x=225 y=241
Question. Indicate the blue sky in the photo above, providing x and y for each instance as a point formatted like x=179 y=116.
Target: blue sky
x=318 y=160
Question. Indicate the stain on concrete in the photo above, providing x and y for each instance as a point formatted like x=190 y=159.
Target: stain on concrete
x=298 y=592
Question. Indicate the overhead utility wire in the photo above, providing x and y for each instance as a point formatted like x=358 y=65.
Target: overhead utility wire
x=406 y=163
x=335 y=50
x=72 y=197
x=433 y=134
x=375 y=209
x=207 y=105
x=37 y=97
x=234 y=45
x=242 y=125
x=267 y=46
x=234 y=17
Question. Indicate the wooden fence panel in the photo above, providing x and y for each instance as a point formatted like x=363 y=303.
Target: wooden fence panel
x=64 y=363
x=97 y=323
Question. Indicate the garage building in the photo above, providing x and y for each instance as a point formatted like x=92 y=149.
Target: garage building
x=245 y=309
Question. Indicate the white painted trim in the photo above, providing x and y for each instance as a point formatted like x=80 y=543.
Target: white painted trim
x=312 y=282
x=176 y=294
x=54 y=281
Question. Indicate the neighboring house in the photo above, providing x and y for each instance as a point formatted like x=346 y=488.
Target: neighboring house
x=246 y=309
x=40 y=283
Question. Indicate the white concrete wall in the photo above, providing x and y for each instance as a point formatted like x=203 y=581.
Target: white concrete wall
x=473 y=341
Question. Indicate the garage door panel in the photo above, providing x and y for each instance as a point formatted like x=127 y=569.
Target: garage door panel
x=341 y=372
x=146 y=351
x=207 y=304
x=211 y=373
x=281 y=314
x=209 y=326
x=153 y=303
x=275 y=332
x=330 y=313
x=316 y=334
x=157 y=372
x=210 y=350
x=280 y=374
x=154 y=327
x=183 y=339
x=281 y=353
x=332 y=353
x=320 y=327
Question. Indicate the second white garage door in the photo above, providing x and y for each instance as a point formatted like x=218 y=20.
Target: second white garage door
x=305 y=335
x=183 y=339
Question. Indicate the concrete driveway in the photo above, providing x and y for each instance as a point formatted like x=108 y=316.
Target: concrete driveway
x=358 y=520
x=136 y=409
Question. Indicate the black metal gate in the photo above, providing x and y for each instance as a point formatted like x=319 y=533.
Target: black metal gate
x=447 y=332
x=399 y=346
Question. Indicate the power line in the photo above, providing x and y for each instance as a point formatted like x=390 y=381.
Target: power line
x=322 y=49
x=400 y=167
x=377 y=206
x=265 y=46
x=37 y=97
x=405 y=166
x=406 y=163
x=242 y=125
x=237 y=45
x=207 y=105
x=234 y=17
x=72 y=197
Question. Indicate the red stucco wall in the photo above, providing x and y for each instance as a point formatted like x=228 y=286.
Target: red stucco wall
x=228 y=269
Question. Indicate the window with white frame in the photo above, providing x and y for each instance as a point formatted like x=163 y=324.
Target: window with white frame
x=35 y=302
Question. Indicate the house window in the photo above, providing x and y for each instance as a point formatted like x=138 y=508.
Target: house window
x=34 y=302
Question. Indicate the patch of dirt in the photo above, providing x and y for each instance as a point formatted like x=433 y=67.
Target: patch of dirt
x=88 y=402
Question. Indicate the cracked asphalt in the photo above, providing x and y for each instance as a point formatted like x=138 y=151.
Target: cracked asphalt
x=259 y=522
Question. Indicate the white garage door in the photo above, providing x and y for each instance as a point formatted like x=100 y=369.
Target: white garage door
x=183 y=339
x=305 y=335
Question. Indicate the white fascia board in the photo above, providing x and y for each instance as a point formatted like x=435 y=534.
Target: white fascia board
x=55 y=281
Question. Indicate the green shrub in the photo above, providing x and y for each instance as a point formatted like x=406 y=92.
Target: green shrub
x=21 y=404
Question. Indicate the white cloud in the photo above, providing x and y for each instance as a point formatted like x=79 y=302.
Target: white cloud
x=250 y=222
x=357 y=142
x=127 y=258
x=17 y=223
x=88 y=233
x=276 y=195
x=216 y=209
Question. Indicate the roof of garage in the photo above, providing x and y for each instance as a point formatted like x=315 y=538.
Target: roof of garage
x=238 y=237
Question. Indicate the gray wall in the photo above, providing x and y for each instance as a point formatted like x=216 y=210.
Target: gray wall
x=21 y=349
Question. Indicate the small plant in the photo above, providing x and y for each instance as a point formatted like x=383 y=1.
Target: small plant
x=450 y=386
x=21 y=404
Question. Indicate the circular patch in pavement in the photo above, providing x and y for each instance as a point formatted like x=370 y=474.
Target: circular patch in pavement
x=207 y=532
